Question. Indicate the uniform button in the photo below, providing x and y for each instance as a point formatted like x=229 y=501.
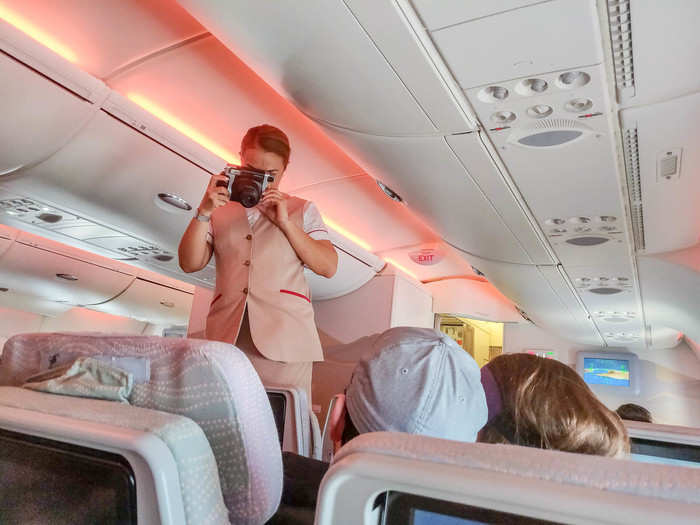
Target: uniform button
x=245 y=290
x=247 y=263
x=249 y=236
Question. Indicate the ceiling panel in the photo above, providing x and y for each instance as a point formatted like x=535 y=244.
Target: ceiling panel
x=107 y=34
x=320 y=57
x=451 y=12
x=664 y=62
x=670 y=206
x=545 y=37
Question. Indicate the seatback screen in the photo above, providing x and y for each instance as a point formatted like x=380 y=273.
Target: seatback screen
x=598 y=371
x=410 y=509
x=46 y=481
x=665 y=453
x=279 y=410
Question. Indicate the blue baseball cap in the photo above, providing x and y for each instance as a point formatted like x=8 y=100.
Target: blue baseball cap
x=419 y=381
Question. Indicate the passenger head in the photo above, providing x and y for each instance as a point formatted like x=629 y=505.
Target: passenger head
x=267 y=148
x=418 y=381
x=546 y=404
x=633 y=412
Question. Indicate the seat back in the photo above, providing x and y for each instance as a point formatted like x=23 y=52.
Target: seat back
x=664 y=444
x=495 y=483
x=297 y=425
x=211 y=383
x=103 y=462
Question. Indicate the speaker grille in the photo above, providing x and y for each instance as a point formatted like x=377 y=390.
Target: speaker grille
x=634 y=186
x=621 y=42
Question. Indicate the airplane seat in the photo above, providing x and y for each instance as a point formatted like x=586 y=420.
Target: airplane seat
x=403 y=478
x=335 y=412
x=665 y=444
x=297 y=425
x=211 y=383
x=59 y=446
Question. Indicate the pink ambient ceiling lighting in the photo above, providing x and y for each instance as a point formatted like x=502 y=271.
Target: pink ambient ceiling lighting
x=393 y=262
x=37 y=34
x=184 y=128
x=347 y=234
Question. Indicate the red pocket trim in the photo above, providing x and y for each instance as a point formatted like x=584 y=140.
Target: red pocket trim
x=295 y=293
x=215 y=299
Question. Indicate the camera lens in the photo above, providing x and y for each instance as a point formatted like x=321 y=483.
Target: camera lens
x=249 y=196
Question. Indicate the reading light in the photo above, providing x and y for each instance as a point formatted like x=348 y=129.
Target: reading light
x=174 y=200
x=37 y=34
x=183 y=128
x=347 y=234
x=393 y=262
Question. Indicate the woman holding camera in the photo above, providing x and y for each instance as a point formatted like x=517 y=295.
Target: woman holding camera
x=262 y=302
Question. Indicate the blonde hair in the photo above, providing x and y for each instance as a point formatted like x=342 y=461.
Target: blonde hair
x=546 y=404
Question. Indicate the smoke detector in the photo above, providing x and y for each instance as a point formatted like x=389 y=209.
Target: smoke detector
x=549 y=133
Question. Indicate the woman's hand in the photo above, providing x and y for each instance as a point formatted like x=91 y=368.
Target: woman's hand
x=215 y=196
x=274 y=206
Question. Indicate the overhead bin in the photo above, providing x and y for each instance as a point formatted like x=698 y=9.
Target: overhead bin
x=670 y=284
x=334 y=69
x=355 y=267
x=221 y=99
x=63 y=69
x=36 y=271
x=545 y=297
x=663 y=160
x=427 y=174
x=150 y=302
x=47 y=114
x=384 y=223
x=110 y=174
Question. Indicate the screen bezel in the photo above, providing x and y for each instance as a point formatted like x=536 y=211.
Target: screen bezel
x=665 y=449
x=634 y=370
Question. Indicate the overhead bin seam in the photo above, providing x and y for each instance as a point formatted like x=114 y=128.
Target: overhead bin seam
x=486 y=197
x=154 y=54
x=448 y=26
x=435 y=59
x=389 y=64
x=323 y=122
x=115 y=296
x=615 y=122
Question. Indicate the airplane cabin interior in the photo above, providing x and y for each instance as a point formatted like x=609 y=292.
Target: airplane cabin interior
x=518 y=176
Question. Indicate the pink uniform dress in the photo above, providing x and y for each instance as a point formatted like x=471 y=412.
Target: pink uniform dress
x=262 y=302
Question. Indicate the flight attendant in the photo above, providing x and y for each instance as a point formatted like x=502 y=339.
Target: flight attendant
x=262 y=302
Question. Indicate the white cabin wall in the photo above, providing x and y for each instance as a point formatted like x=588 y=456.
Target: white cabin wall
x=518 y=337
x=670 y=378
x=382 y=303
